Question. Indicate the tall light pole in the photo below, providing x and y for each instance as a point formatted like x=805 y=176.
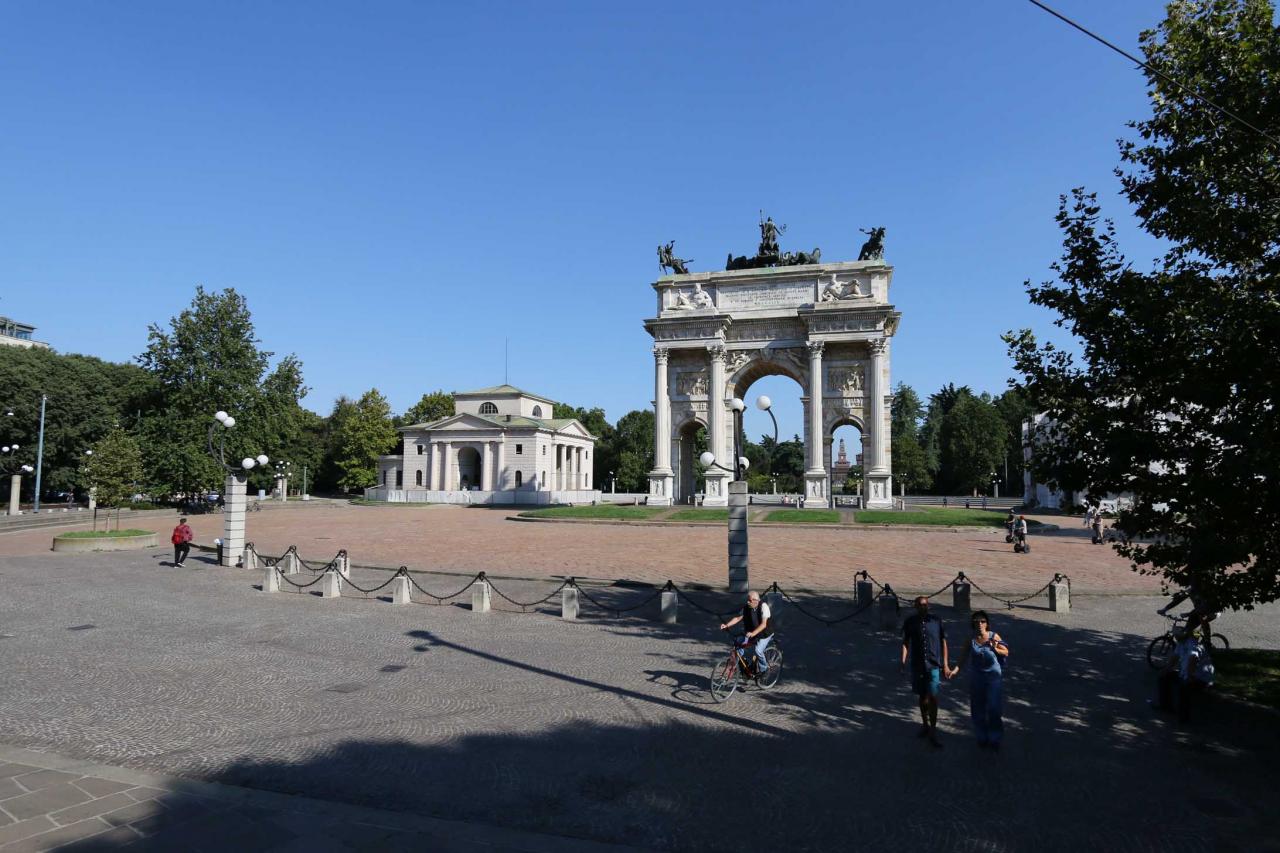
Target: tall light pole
x=995 y=484
x=35 y=506
x=234 y=492
x=738 y=499
x=283 y=470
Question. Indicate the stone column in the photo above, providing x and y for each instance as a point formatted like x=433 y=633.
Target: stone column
x=433 y=464
x=879 y=477
x=738 y=562
x=447 y=468
x=581 y=480
x=717 y=479
x=233 y=518
x=15 y=490
x=557 y=477
x=500 y=466
x=486 y=462
x=815 y=476
x=661 y=476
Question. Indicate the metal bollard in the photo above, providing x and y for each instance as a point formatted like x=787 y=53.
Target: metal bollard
x=960 y=595
x=1060 y=594
x=331 y=585
x=480 y=596
x=667 y=605
x=569 y=602
x=400 y=590
x=271 y=580
x=888 y=609
x=291 y=562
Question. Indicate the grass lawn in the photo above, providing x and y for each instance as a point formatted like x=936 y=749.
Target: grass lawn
x=935 y=515
x=699 y=515
x=804 y=516
x=600 y=511
x=101 y=534
x=1252 y=674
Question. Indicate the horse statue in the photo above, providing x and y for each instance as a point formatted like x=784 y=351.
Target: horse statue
x=668 y=261
x=873 y=249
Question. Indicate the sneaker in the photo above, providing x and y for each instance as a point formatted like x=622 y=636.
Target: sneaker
x=178 y=565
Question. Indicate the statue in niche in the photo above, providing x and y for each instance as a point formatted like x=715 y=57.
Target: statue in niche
x=696 y=298
x=668 y=261
x=835 y=291
x=873 y=249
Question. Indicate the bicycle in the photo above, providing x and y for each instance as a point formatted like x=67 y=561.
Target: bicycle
x=256 y=506
x=736 y=668
x=1161 y=647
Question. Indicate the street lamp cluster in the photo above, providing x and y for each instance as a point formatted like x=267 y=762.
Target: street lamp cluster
x=234 y=492
x=764 y=404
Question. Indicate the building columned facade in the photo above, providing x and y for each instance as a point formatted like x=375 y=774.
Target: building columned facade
x=501 y=445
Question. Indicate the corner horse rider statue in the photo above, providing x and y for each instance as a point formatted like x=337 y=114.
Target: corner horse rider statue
x=873 y=249
x=668 y=261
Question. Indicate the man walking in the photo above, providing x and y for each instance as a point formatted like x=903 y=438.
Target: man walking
x=181 y=539
x=924 y=642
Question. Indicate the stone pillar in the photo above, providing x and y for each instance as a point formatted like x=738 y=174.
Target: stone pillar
x=15 y=490
x=878 y=476
x=660 y=485
x=284 y=488
x=480 y=597
x=500 y=466
x=271 y=580
x=960 y=595
x=888 y=610
x=447 y=467
x=331 y=585
x=400 y=590
x=569 y=603
x=433 y=466
x=1060 y=595
x=738 y=563
x=486 y=468
x=865 y=591
x=233 y=518
x=668 y=604
x=291 y=562
x=582 y=474
x=716 y=479
x=557 y=481
x=815 y=475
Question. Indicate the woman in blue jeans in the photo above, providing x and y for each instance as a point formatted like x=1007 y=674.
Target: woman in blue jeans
x=986 y=655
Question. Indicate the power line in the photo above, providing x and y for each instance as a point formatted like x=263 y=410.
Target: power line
x=1129 y=56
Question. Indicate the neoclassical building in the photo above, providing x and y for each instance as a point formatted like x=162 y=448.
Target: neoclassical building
x=826 y=326
x=501 y=445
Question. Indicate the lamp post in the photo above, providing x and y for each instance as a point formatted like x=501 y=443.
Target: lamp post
x=995 y=484
x=283 y=471
x=234 y=491
x=613 y=483
x=16 y=469
x=738 y=499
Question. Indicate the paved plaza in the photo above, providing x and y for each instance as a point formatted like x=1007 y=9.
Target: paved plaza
x=468 y=540
x=596 y=731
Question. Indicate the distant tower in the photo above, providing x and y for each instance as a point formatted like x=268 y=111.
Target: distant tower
x=840 y=470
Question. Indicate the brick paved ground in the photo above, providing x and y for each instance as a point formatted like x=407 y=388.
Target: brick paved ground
x=603 y=729
x=469 y=540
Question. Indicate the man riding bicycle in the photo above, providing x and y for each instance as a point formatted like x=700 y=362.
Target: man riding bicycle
x=755 y=618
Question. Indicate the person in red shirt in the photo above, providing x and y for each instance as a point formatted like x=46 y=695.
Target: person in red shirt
x=181 y=539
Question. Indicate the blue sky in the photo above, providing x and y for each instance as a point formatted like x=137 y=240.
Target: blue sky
x=398 y=187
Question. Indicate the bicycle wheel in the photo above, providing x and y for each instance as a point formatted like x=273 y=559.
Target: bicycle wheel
x=1159 y=650
x=1219 y=643
x=773 y=657
x=724 y=679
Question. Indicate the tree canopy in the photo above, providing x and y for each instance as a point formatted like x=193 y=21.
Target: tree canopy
x=1172 y=399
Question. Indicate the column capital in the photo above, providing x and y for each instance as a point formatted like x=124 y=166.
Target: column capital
x=717 y=352
x=877 y=347
x=660 y=354
x=815 y=348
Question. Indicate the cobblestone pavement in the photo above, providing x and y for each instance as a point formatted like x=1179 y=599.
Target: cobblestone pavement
x=469 y=540
x=602 y=729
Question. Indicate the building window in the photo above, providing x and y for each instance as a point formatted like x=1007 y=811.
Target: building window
x=417 y=478
x=488 y=409
x=421 y=449
x=587 y=455
x=537 y=411
x=399 y=479
x=519 y=449
x=544 y=450
x=519 y=479
x=384 y=477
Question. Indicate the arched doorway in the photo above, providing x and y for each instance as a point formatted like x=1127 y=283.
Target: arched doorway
x=845 y=456
x=774 y=468
x=470 y=469
x=691 y=442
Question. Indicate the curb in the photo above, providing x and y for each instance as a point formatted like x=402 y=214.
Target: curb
x=856 y=527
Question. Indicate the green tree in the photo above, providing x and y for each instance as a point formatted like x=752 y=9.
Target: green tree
x=364 y=435
x=432 y=407
x=971 y=445
x=114 y=469
x=906 y=413
x=208 y=359
x=910 y=464
x=1173 y=397
x=633 y=450
x=1015 y=409
x=327 y=479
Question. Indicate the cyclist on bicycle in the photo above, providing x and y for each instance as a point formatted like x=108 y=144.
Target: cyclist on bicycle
x=755 y=618
x=1200 y=606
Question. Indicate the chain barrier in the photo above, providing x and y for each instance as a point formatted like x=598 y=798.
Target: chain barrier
x=618 y=611
x=682 y=594
x=349 y=582
x=814 y=616
x=441 y=599
x=1012 y=602
x=290 y=582
x=521 y=604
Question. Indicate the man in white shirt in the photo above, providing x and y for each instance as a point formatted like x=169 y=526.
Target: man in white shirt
x=755 y=618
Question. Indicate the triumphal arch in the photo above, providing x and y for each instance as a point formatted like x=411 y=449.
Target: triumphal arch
x=825 y=325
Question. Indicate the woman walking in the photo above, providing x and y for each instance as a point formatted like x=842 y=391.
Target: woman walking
x=986 y=654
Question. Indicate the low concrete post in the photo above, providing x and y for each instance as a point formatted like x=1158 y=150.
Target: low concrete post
x=15 y=489
x=1060 y=594
x=249 y=558
x=569 y=602
x=667 y=605
x=865 y=591
x=331 y=586
x=480 y=596
x=344 y=565
x=271 y=579
x=773 y=598
x=888 y=609
x=291 y=562
x=960 y=589
x=400 y=590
